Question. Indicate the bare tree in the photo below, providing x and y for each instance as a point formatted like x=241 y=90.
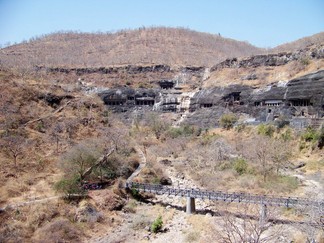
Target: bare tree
x=263 y=152
x=80 y=158
x=56 y=134
x=246 y=226
x=281 y=151
x=13 y=146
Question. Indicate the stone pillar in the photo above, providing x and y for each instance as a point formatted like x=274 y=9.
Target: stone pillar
x=191 y=208
x=263 y=214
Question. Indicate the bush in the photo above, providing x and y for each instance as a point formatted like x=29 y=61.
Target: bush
x=314 y=137
x=309 y=135
x=185 y=131
x=157 y=225
x=240 y=127
x=227 y=121
x=240 y=166
x=70 y=185
x=281 y=123
x=321 y=138
x=266 y=130
x=305 y=61
x=286 y=135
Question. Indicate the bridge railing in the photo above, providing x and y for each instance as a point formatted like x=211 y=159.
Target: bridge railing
x=226 y=197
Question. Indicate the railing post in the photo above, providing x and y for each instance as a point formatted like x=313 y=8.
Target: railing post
x=191 y=207
x=263 y=214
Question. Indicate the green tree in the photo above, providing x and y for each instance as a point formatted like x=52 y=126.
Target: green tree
x=240 y=166
x=227 y=121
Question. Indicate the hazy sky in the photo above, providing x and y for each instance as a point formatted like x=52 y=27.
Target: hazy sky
x=264 y=23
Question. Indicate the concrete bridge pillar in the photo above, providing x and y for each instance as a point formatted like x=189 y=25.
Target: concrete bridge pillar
x=263 y=214
x=191 y=207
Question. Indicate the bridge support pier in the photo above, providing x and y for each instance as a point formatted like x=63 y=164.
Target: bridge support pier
x=191 y=207
x=263 y=214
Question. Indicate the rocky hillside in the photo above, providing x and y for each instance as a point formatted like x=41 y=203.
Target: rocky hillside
x=300 y=43
x=169 y=46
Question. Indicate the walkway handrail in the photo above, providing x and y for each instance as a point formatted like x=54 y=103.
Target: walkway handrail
x=225 y=196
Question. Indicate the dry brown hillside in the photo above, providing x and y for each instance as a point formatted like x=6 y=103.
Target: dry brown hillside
x=171 y=46
x=300 y=43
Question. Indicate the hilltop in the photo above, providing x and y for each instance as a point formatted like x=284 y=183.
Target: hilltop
x=161 y=45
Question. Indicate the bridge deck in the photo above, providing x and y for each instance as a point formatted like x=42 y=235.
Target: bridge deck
x=226 y=197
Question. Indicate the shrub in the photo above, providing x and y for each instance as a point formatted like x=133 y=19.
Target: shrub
x=136 y=194
x=305 y=61
x=240 y=166
x=227 y=121
x=281 y=123
x=240 y=127
x=286 y=135
x=266 y=130
x=310 y=135
x=184 y=131
x=157 y=225
x=70 y=185
x=321 y=138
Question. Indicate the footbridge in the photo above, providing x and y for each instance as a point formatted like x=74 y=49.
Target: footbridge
x=192 y=194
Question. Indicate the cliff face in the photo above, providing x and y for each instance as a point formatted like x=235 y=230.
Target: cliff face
x=314 y=52
x=301 y=97
x=309 y=88
x=130 y=69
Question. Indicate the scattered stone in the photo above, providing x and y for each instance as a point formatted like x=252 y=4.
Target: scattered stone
x=87 y=213
x=166 y=162
x=299 y=165
x=147 y=228
x=166 y=181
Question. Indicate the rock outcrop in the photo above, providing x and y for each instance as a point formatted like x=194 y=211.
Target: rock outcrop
x=301 y=97
x=315 y=52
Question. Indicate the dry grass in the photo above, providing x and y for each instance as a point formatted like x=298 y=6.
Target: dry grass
x=141 y=46
x=265 y=75
x=37 y=169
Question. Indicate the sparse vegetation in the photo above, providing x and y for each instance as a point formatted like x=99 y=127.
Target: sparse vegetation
x=148 y=45
x=157 y=225
x=227 y=121
x=184 y=131
x=240 y=166
x=52 y=136
x=312 y=138
x=266 y=130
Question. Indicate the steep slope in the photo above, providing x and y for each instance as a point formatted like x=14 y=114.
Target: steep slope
x=170 y=46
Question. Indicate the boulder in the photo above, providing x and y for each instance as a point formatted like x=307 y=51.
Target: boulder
x=106 y=199
x=87 y=213
x=166 y=162
x=166 y=181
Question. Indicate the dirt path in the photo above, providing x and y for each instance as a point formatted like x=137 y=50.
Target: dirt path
x=311 y=188
x=26 y=203
x=176 y=226
x=141 y=165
